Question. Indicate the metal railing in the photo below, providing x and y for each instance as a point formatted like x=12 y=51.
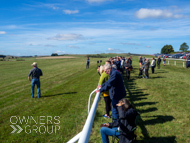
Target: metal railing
x=171 y=59
x=84 y=135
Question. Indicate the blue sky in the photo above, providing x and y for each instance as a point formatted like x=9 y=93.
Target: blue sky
x=43 y=27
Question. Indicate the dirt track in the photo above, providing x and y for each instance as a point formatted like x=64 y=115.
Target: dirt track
x=55 y=57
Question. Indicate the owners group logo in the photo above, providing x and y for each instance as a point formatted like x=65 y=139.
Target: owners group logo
x=35 y=124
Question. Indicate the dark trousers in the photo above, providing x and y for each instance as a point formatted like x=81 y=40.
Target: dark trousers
x=152 y=67
x=158 y=66
x=108 y=105
x=87 y=66
x=128 y=74
x=146 y=73
x=115 y=114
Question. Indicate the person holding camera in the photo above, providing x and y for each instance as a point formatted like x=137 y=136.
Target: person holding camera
x=121 y=128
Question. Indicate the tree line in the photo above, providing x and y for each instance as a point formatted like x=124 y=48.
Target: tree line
x=169 y=48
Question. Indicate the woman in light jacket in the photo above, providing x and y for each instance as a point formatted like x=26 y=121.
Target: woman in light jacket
x=153 y=63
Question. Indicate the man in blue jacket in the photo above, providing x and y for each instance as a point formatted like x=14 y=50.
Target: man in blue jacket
x=115 y=86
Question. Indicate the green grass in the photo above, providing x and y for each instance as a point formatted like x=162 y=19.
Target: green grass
x=162 y=100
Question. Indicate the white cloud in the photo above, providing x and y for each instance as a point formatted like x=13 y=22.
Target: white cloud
x=52 y=6
x=156 y=13
x=135 y=44
x=49 y=45
x=3 y=32
x=71 y=11
x=74 y=47
x=60 y=52
x=67 y=37
x=114 y=50
x=148 y=46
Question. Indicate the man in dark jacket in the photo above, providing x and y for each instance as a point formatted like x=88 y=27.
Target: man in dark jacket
x=128 y=69
x=146 y=66
x=115 y=86
x=36 y=73
x=158 y=62
x=187 y=61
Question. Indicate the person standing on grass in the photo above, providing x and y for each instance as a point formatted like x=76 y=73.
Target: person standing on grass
x=164 y=60
x=140 y=61
x=36 y=73
x=158 y=62
x=115 y=86
x=103 y=78
x=187 y=61
x=153 y=63
x=128 y=69
x=146 y=66
x=87 y=63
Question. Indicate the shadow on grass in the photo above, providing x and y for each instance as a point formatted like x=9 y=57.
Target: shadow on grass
x=136 y=94
x=169 y=139
x=59 y=94
x=159 y=119
x=155 y=77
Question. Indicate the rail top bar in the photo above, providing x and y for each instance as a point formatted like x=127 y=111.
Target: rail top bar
x=85 y=135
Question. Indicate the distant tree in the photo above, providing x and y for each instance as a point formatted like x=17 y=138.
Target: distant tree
x=54 y=54
x=167 y=49
x=184 y=47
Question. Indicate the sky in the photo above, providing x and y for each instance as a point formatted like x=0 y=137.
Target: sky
x=43 y=27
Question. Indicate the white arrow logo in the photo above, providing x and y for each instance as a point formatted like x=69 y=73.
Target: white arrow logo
x=19 y=128
x=15 y=129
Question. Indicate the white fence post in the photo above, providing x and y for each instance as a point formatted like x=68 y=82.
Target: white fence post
x=89 y=121
x=75 y=139
x=175 y=63
x=84 y=136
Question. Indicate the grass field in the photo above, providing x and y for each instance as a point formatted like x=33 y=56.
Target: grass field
x=162 y=100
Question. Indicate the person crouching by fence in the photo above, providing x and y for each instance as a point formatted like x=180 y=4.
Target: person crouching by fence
x=103 y=78
x=36 y=73
x=122 y=128
x=146 y=66
x=115 y=86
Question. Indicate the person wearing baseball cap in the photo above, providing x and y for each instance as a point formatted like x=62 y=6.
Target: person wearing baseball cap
x=36 y=73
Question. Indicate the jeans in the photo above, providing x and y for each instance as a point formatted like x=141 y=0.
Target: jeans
x=115 y=114
x=105 y=132
x=37 y=82
x=87 y=66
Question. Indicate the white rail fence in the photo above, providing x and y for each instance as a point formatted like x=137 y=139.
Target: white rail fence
x=174 y=60
x=84 y=135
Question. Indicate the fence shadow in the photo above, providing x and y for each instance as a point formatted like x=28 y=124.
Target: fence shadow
x=137 y=94
x=58 y=94
x=169 y=139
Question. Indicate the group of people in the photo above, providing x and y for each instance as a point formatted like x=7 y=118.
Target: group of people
x=145 y=64
x=113 y=90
